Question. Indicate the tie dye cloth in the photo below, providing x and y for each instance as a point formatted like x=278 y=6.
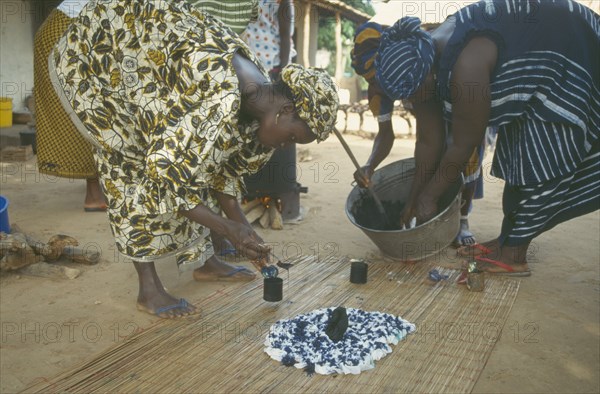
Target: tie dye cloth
x=302 y=342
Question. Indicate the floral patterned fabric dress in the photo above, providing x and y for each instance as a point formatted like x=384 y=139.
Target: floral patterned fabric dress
x=152 y=86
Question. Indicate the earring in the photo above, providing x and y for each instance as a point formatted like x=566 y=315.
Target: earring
x=277 y=117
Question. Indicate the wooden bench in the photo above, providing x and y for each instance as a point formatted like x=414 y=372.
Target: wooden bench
x=360 y=109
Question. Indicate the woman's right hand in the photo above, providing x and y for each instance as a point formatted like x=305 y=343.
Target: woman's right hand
x=367 y=173
x=421 y=211
x=246 y=240
x=407 y=214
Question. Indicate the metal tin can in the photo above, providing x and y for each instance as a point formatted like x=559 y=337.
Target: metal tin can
x=273 y=289
x=358 y=271
x=475 y=277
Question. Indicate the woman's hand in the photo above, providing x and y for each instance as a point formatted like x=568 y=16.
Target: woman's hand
x=246 y=240
x=407 y=214
x=236 y=229
x=425 y=209
x=367 y=173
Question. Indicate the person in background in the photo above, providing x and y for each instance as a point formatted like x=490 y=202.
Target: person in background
x=178 y=118
x=270 y=36
x=366 y=43
x=236 y=14
x=527 y=68
x=61 y=151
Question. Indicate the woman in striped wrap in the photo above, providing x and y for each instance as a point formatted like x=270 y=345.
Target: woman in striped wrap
x=366 y=44
x=529 y=68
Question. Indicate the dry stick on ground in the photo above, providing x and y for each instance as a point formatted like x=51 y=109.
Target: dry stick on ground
x=60 y=246
x=15 y=252
x=255 y=213
x=275 y=218
x=20 y=251
x=265 y=220
x=18 y=254
x=250 y=205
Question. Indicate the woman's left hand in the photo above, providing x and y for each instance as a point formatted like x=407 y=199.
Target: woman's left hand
x=426 y=208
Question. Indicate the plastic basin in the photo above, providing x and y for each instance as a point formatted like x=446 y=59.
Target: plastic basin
x=4 y=223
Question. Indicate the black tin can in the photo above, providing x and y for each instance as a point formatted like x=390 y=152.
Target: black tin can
x=358 y=271
x=273 y=289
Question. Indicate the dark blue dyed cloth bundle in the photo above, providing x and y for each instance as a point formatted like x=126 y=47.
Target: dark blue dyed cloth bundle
x=303 y=343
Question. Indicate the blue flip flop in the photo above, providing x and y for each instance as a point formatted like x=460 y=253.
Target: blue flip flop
x=231 y=274
x=182 y=304
x=229 y=251
x=226 y=277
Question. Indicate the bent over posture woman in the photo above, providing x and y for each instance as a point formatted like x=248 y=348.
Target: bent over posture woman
x=179 y=109
x=529 y=68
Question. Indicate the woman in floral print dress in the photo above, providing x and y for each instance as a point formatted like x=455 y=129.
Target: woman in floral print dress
x=179 y=109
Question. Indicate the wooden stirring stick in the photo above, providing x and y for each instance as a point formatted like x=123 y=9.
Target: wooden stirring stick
x=378 y=203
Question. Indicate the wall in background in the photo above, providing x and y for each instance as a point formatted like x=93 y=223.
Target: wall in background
x=19 y=19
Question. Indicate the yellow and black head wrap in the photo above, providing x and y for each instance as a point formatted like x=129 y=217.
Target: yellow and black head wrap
x=315 y=97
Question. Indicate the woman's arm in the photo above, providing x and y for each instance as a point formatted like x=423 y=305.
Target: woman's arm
x=470 y=116
x=384 y=140
x=428 y=151
x=231 y=207
x=236 y=228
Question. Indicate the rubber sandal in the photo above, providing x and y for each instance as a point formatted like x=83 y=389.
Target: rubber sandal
x=468 y=250
x=460 y=239
x=182 y=304
x=510 y=271
x=228 y=251
x=228 y=277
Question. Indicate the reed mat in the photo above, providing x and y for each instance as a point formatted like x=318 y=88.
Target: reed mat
x=222 y=350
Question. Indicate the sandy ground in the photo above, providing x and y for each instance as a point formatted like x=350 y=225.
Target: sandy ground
x=550 y=343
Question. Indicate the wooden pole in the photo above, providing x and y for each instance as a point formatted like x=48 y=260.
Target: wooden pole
x=339 y=72
x=378 y=203
x=305 y=50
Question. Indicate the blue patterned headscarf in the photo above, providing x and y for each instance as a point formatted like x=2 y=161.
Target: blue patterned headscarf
x=405 y=58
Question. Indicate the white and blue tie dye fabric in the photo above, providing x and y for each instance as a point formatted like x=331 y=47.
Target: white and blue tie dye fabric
x=302 y=342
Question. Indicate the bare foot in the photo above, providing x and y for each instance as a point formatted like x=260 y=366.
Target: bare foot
x=166 y=306
x=94 y=197
x=218 y=270
x=154 y=299
x=478 y=249
x=508 y=260
x=498 y=267
x=512 y=255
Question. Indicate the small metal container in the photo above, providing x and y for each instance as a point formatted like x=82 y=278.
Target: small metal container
x=475 y=277
x=358 y=271
x=273 y=289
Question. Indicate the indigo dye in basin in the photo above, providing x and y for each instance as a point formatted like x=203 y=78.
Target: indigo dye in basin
x=366 y=214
